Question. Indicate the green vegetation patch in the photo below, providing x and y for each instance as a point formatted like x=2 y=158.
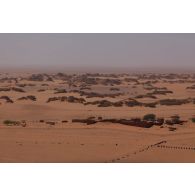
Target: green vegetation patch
x=149 y=117
x=193 y=120
x=11 y=123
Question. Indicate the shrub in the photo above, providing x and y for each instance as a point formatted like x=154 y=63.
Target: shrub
x=193 y=120
x=10 y=122
x=149 y=117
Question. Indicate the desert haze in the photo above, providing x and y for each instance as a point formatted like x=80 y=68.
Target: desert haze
x=96 y=117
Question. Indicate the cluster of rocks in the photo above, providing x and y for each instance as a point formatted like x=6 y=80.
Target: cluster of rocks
x=29 y=97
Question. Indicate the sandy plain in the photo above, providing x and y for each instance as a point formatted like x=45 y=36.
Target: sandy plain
x=97 y=117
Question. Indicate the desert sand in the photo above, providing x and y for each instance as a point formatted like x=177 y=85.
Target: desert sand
x=97 y=117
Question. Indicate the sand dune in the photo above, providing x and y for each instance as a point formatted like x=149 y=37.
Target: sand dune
x=113 y=114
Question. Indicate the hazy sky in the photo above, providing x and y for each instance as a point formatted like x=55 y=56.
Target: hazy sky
x=111 y=51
